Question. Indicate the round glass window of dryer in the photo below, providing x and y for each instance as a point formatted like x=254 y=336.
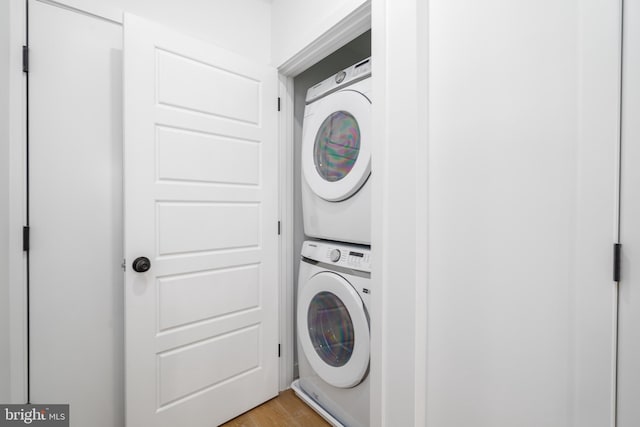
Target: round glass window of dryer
x=330 y=329
x=337 y=146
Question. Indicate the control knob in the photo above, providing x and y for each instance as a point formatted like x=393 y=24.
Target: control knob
x=334 y=255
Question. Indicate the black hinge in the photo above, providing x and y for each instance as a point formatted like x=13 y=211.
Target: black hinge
x=25 y=238
x=25 y=59
x=278 y=228
x=616 y=261
x=278 y=103
x=278 y=350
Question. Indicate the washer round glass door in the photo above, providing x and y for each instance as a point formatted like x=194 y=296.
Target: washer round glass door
x=336 y=148
x=333 y=329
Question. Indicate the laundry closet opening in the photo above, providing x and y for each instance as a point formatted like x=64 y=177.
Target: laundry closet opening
x=348 y=55
x=328 y=241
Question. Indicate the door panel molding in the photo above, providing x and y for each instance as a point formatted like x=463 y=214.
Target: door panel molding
x=189 y=361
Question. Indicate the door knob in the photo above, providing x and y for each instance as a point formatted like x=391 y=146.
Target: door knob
x=141 y=264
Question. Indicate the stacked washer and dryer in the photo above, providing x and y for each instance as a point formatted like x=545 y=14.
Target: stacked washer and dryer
x=334 y=280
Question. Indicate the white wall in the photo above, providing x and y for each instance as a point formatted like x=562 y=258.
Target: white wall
x=4 y=207
x=242 y=26
x=295 y=23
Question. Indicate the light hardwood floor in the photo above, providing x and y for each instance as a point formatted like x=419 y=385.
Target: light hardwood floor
x=286 y=410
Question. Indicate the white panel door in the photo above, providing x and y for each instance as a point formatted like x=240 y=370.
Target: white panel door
x=629 y=297
x=201 y=204
x=523 y=142
x=76 y=298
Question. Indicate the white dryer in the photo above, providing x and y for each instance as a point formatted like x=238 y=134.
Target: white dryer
x=336 y=157
x=333 y=332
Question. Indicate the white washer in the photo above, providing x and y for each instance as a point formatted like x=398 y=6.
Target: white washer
x=336 y=157
x=333 y=331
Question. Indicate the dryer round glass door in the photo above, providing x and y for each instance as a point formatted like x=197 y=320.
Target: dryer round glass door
x=333 y=329
x=336 y=147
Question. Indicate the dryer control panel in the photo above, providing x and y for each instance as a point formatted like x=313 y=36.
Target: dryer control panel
x=348 y=76
x=341 y=254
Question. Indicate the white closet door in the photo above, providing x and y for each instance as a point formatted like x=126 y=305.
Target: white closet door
x=523 y=142
x=76 y=304
x=629 y=324
x=201 y=205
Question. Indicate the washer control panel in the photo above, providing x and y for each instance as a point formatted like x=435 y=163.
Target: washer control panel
x=345 y=255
